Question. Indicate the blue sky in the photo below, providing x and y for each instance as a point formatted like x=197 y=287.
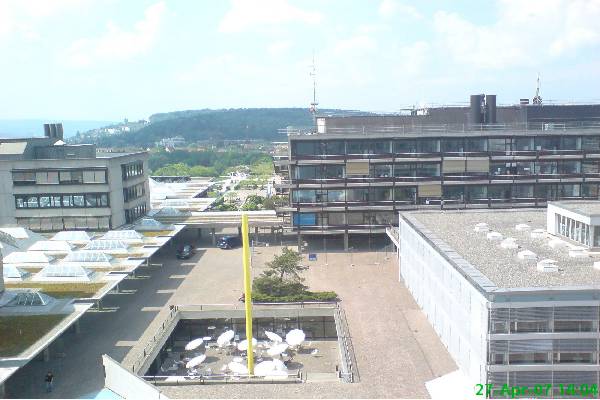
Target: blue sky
x=110 y=59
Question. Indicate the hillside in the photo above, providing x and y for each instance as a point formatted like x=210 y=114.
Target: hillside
x=199 y=125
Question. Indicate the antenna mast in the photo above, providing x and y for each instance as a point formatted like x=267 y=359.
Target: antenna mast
x=537 y=99
x=313 y=74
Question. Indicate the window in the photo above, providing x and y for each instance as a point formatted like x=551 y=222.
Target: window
x=476 y=144
x=405 y=194
x=522 y=191
x=476 y=192
x=528 y=358
x=546 y=168
x=360 y=195
x=62 y=201
x=428 y=169
x=336 y=195
x=453 y=145
x=335 y=147
x=23 y=177
x=357 y=147
x=404 y=170
x=333 y=171
x=381 y=194
x=381 y=147
x=135 y=213
x=381 y=170
x=303 y=196
x=302 y=148
x=428 y=146
x=405 y=146
x=454 y=193
x=570 y=167
x=524 y=144
x=136 y=168
x=499 y=145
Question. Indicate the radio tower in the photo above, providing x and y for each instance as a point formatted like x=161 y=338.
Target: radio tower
x=537 y=99
x=314 y=104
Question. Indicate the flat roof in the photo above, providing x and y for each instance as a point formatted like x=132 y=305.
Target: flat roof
x=587 y=208
x=490 y=266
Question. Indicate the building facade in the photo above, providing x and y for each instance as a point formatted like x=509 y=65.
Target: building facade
x=353 y=174
x=46 y=185
x=504 y=319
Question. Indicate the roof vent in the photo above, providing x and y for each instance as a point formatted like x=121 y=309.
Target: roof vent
x=522 y=227
x=578 y=252
x=527 y=255
x=509 y=243
x=547 y=265
x=537 y=233
x=597 y=265
x=481 y=227
x=494 y=236
x=556 y=243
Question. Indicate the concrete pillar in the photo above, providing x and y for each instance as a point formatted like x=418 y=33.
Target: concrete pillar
x=213 y=236
x=239 y=231
x=117 y=289
x=199 y=232
x=2 y=391
x=346 y=241
x=77 y=327
x=299 y=243
x=99 y=305
x=46 y=354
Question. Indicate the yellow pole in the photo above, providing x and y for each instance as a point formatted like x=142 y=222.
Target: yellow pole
x=247 y=292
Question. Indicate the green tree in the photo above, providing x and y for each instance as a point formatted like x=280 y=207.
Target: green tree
x=178 y=169
x=286 y=266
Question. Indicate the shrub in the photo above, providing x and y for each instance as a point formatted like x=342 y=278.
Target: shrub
x=258 y=297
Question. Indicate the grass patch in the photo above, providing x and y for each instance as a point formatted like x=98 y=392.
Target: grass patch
x=20 y=332
x=61 y=290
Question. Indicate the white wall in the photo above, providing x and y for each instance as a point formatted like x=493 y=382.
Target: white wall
x=457 y=311
x=126 y=384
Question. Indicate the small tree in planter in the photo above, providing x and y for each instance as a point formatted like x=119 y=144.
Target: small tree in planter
x=282 y=281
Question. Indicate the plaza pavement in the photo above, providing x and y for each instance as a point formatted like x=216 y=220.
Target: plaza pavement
x=396 y=348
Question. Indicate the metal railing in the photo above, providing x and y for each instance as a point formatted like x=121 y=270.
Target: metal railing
x=296 y=377
x=466 y=129
x=172 y=316
x=349 y=372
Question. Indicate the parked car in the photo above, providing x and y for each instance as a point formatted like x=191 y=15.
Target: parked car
x=229 y=242
x=185 y=252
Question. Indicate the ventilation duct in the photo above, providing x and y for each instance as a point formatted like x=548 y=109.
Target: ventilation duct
x=522 y=227
x=481 y=227
x=527 y=255
x=494 y=236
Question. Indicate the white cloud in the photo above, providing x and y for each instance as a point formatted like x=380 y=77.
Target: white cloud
x=355 y=44
x=250 y=14
x=117 y=44
x=392 y=8
x=525 y=33
x=22 y=17
x=279 y=47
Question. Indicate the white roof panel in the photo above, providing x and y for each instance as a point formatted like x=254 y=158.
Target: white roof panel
x=52 y=245
x=72 y=236
x=127 y=234
x=27 y=257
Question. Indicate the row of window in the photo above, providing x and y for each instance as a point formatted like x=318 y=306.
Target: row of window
x=446 y=145
x=577 y=231
x=543 y=358
x=463 y=193
x=62 y=200
x=132 y=170
x=135 y=213
x=344 y=218
x=56 y=177
x=134 y=192
x=56 y=224
x=433 y=169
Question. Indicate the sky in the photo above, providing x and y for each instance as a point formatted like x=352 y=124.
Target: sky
x=115 y=59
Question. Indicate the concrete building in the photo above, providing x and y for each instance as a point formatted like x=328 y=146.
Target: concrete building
x=352 y=174
x=513 y=295
x=47 y=185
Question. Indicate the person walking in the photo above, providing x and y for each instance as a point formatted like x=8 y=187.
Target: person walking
x=49 y=378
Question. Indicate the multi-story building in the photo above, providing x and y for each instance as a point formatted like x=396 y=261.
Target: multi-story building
x=353 y=174
x=513 y=295
x=47 y=185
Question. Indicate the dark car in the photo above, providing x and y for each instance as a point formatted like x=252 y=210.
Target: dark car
x=229 y=242
x=185 y=252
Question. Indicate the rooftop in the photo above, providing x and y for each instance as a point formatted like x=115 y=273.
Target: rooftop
x=587 y=208
x=491 y=262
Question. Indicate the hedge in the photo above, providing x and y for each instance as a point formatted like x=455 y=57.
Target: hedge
x=259 y=297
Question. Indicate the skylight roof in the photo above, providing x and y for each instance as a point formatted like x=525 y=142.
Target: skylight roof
x=106 y=245
x=72 y=236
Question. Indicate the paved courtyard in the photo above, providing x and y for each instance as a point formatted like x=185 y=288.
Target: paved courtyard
x=396 y=349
